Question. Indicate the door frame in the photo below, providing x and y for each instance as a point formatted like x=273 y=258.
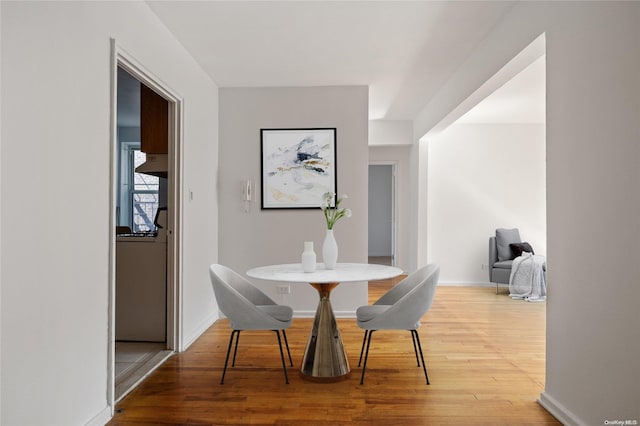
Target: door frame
x=394 y=206
x=121 y=58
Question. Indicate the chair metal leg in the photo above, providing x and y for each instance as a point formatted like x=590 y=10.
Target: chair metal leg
x=366 y=355
x=424 y=367
x=284 y=366
x=235 y=351
x=364 y=339
x=415 y=337
x=415 y=349
x=236 y=334
x=226 y=361
x=287 y=345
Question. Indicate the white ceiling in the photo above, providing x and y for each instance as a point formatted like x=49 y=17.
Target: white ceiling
x=403 y=50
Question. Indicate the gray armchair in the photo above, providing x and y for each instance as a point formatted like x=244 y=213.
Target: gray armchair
x=499 y=270
x=501 y=255
x=400 y=309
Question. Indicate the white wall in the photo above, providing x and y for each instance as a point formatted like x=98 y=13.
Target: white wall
x=483 y=177
x=1 y=237
x=55 y=198
x=399 y=156
x=593 y=203
x=390 y=132
x=418 y=205
x=263 y=237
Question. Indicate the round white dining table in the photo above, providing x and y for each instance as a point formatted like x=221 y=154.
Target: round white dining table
x=325 y=359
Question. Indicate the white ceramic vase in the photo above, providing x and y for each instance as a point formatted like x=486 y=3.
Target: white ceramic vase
x=308 y=257
x=330 y=250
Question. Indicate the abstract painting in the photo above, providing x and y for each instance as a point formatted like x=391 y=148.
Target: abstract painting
x=298 y=167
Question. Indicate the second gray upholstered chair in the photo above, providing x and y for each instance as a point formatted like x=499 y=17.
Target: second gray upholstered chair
x=400 y=309
x=248 y=308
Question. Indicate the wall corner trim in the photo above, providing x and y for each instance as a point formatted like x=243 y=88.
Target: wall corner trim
x=559 y=411
x=312 y=314
x=102 y=417
x=192 y=337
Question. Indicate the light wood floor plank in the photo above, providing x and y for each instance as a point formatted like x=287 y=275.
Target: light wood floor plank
x=485 y=356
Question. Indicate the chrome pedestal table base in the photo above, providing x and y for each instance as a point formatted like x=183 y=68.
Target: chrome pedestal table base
x=325 y=359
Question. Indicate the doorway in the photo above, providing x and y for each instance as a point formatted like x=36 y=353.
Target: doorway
x=143 y=327
x=381 y=231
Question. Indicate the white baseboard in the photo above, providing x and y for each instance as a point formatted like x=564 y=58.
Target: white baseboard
x=312 y=314
x=466 y=284
x=559 y=411
x=102 y=417
x=304 y=314
x=345 y=314
x=204 y=325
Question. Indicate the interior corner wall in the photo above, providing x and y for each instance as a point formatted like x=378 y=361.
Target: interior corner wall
x=262 y=237
x=419 y=158
x=400 y=157
x=483 y=177
x=56 y=144
x=593 y=202
x=593 y=149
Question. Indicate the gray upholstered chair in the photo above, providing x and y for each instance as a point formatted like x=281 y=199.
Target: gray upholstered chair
x=501 y=256
x=248 y=308
x=400 y=309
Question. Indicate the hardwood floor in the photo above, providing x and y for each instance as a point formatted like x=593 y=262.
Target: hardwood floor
x=485 y=356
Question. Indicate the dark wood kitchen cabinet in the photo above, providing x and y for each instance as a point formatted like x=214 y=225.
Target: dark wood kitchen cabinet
x=154 y=122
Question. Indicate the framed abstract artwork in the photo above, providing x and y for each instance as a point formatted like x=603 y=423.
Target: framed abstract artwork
x=298 y=167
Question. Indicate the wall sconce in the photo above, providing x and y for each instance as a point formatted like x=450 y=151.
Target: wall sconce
x=248 y=188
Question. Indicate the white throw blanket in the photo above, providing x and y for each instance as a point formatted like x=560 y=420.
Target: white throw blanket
x=527 y=280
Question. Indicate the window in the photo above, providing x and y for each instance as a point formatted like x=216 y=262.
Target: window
x=144 y=195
